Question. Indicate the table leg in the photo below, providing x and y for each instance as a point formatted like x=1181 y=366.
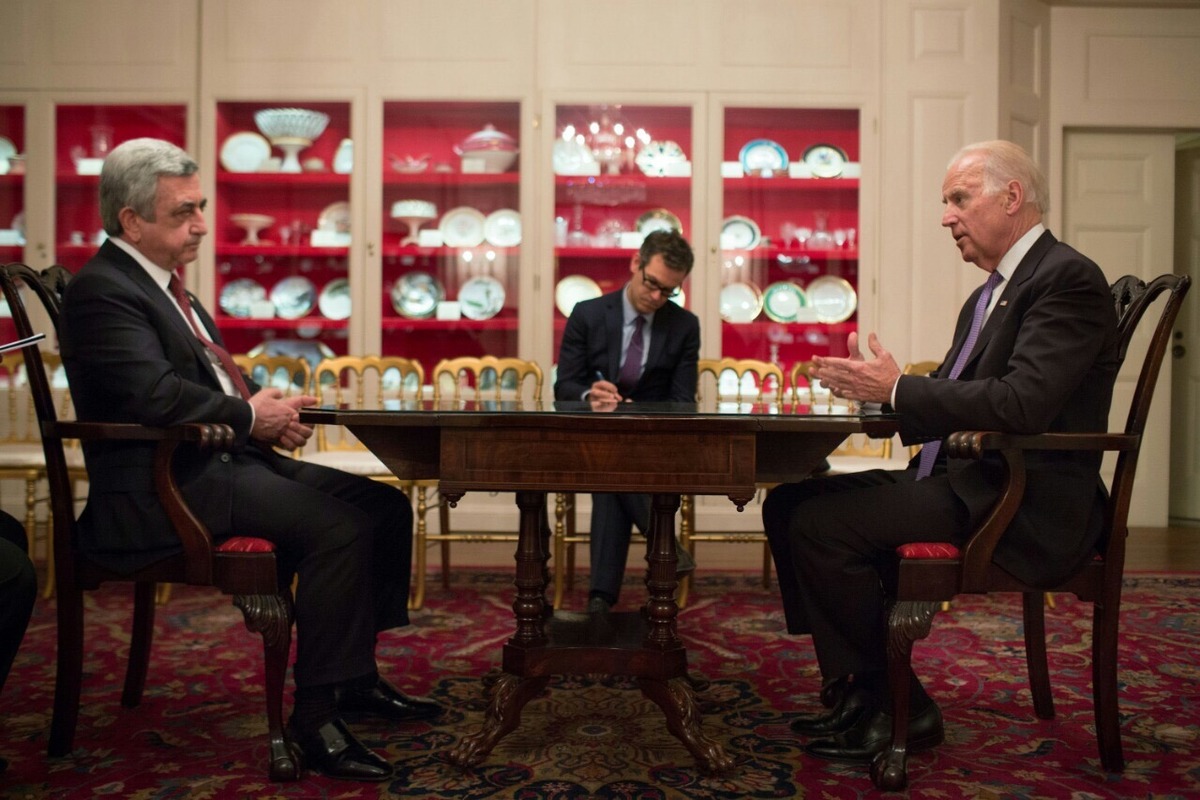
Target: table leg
x=678 y=704
x=661 y=580
x=507 y=695
x=532 y=575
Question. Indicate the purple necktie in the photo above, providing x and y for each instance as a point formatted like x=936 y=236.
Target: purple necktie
x=235 y=375
x=631 y=370
x=929 y=450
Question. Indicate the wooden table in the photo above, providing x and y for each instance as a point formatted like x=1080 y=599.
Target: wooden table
x=659 y=448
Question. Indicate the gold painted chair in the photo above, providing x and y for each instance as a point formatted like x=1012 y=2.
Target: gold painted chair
x=21 y=455
x=740 y=381
x=461 y=380
x=857 y=452
x=290 y=374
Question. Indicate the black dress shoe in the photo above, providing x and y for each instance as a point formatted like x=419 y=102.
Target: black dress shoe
x=855 y=704
x=873 y=734
x=333 y=751
x=385 y=701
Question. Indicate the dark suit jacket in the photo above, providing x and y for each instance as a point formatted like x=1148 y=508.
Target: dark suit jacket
x=591 y=343
x=131 y=357
x=1045 y=360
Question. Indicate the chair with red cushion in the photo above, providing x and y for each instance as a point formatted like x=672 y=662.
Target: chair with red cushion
x=931 y=573
x=244 y=567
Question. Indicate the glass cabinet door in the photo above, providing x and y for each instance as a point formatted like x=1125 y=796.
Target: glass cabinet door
x=620 y=172
x=789 y=236
x=452 y=229
x=12 y=182
x=281 y=223
x=84 y=134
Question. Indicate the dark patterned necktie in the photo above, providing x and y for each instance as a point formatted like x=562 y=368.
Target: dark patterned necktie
x=929 y=450
x=631 y=370
x=235 y=375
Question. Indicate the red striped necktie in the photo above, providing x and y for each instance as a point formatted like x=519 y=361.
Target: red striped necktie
x=235 y=374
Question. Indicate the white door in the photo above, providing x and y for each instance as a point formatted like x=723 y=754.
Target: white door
x=1185 y=394
x=1119 y=210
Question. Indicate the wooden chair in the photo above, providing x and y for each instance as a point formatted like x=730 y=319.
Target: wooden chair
x=242 y=567
x=462 y=380
x=929 y=574
x=740 y=381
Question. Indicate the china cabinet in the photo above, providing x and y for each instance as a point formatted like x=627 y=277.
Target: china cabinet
x=620 y=172
x=789 y=234
x=282 y=226
x=452 y=229
x=83 y=134
x=12 y=196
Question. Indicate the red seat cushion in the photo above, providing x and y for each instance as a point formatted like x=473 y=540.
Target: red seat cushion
x=927 y=550
x=246 y=544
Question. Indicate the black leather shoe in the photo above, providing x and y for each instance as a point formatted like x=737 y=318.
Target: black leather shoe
x=873 y=734
x=333 y=751
x=387 y=702
x=855 y=704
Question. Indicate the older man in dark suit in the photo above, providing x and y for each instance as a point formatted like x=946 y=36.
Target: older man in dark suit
x=630 y=345
x=137 y=348
x=1034 y=350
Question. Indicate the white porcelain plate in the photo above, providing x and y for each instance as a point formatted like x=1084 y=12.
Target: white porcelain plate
x=740 y=302
x=335 y=217
x=481 y=297
x=503 y=228
x=763 y=154
x=739 y=233
x=657 y=158
x=294 y=297
x=245 y=152
x=658 y=219
x=239 y=296
x=783 y=300
x=574 y=289
x=462 y=227
x=825 y=160
x=416 y=295
x=7 y=149
x=833 y=298
x=334 y=300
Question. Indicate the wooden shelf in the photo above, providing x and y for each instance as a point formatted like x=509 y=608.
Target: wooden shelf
x=280 y=250
x=278 y=323
x=495 y=323
x=439 y=179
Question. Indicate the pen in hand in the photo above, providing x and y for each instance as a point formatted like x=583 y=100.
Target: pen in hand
x=609 y=388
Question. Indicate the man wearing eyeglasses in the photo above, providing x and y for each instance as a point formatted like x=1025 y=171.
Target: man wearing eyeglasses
x=631 y=345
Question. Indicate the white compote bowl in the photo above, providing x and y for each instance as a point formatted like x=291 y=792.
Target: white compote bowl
x=413 y=213
x=253 y=224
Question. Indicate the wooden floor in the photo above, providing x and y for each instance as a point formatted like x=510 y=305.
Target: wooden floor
x=1176 y=548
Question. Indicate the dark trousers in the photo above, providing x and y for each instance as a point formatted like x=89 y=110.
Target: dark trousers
x=834 y=540
x=18 y=590
x=348 y=539
x=613 y=518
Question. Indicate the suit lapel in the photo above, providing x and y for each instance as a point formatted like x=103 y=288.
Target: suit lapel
x=613 y=322
x=1008 y=290
x=167 y=307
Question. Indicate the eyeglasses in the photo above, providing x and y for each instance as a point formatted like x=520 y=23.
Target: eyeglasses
x=666 y=291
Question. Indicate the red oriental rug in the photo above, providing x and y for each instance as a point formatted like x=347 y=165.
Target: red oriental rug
x=199 y=730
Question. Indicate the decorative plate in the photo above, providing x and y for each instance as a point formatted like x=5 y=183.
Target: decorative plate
x=833 y=298
x=763 y=154
x=574 y=289
x=462 y=227
x=783 y=300
x=503 y=228
x=740 y=302
x=245 y=152
x=416 y=295
x=658 y=219
x=825 y=160
x=239 y=296
x=335 y=217
x=7 y=149
x=334 y=300
x=294 y=297
x=657 y=157
x=572 y=158
x=740 y=233
x=481 y=297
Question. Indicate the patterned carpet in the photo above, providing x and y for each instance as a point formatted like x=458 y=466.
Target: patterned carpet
x=199 y=730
